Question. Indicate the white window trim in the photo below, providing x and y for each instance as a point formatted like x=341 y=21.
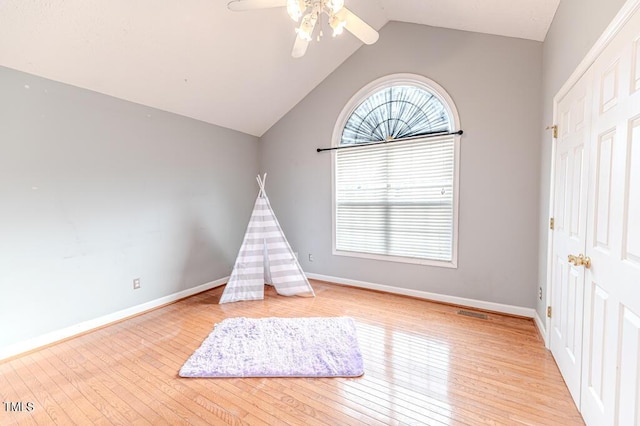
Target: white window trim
x=379 y=84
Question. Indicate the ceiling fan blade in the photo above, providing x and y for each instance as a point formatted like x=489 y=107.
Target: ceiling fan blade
x=244 y=5
x=358 y=27
x=299 y=47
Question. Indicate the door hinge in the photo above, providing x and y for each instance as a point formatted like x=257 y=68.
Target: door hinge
x=552 y=223
x=554 y=129
x=549 y=311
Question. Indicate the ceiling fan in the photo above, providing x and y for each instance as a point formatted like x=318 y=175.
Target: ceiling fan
x=307 y=13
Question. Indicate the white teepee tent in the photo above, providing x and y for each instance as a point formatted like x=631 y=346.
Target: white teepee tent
x=265 y=257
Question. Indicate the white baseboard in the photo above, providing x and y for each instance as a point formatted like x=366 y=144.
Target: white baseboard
x=472 y=303
x=74 y=330
x=92 y=324
x=541 y=327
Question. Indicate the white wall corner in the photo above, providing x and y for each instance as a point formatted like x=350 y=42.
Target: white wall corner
x=85 y=326
x=436 y=297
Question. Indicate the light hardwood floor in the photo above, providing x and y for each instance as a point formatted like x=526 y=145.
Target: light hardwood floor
x=424 y=365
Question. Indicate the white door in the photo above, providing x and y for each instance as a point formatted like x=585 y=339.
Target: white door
x=569 y=237
x=611 y=355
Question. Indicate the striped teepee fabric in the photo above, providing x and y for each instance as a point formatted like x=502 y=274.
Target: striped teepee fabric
x=265 y=257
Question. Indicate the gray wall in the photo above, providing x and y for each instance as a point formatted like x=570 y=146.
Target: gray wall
x=96 y=191
x=496 y=84
x=575 y=28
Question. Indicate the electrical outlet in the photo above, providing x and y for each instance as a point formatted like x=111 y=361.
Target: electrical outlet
x=136 y=283
x=310 y=257
x=540 y=293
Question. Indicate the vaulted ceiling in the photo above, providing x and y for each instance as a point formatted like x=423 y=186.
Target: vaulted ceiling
x=198 y=59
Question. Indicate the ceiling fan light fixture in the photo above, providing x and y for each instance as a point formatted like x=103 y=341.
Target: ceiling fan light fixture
x=308 y=14
x=295 y=9
x=305 y=30
x=335 y=5
x=337 y=25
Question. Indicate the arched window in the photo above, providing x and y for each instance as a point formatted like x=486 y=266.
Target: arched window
x=397 y=200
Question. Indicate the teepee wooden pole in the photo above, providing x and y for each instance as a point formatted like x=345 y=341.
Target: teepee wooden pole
x=261 y=181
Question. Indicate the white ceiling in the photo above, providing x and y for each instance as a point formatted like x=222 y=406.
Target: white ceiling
x=197 y=59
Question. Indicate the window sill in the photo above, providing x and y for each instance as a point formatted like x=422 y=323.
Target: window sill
x=452 y=264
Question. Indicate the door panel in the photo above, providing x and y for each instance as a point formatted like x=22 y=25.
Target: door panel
x=561 y=199
x=569 y=237
x=635 y=63
x=609 y=88
x=631 y=233
x=603 y=189
x=629 y=388
x=595 y=355
x=609 y=393
x=577 y=194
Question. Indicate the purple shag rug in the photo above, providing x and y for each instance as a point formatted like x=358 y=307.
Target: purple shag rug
x=278 y=347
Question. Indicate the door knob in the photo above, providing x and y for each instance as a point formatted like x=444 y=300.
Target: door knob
x=580 y=260
x=584 y=261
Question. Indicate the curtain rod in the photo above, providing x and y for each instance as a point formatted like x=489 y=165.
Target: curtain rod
x=425 y=136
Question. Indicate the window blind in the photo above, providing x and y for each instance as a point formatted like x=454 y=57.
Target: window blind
x=397 y=199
